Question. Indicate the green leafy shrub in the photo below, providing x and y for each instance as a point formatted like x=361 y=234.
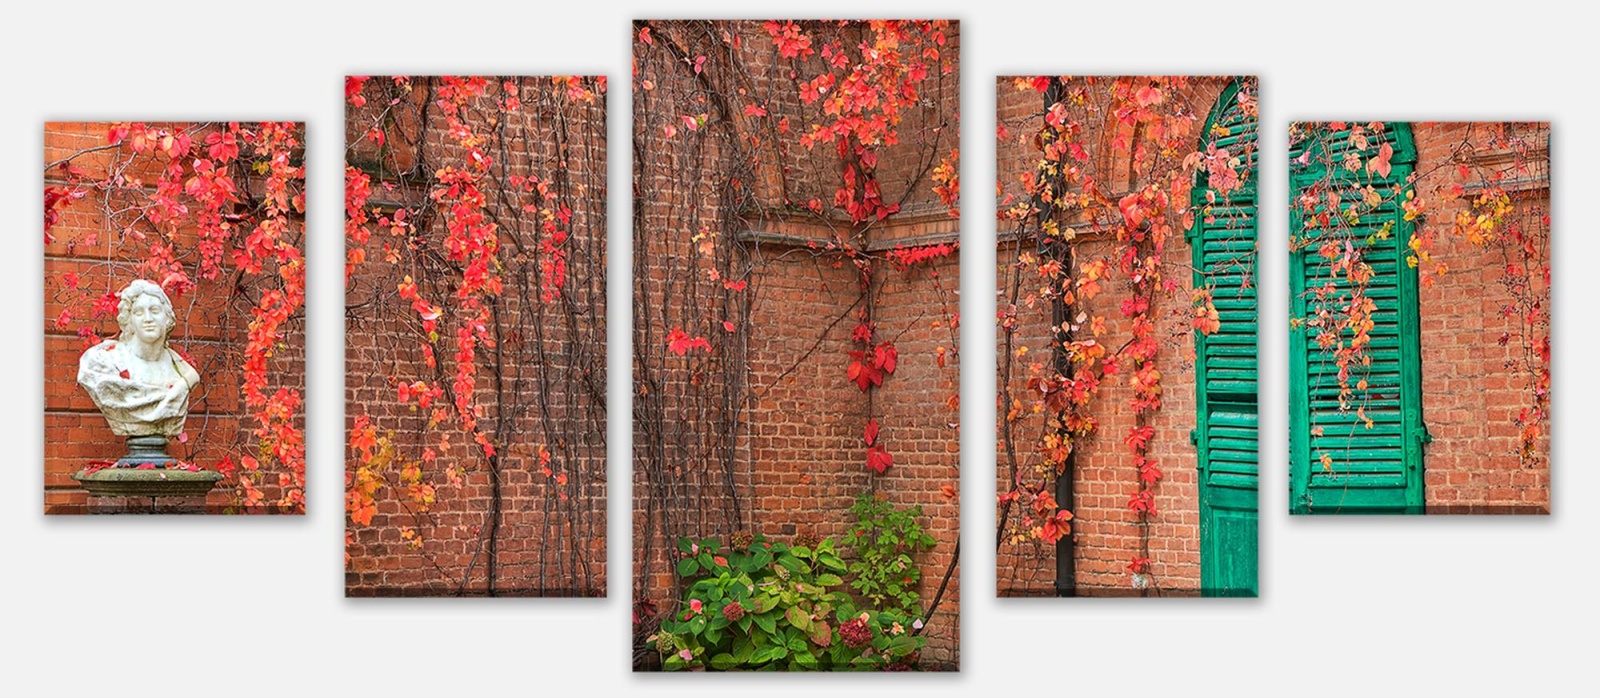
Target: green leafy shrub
x=768 y=606
x=885 y=540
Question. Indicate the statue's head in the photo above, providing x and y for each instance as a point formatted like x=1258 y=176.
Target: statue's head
x=145 y=313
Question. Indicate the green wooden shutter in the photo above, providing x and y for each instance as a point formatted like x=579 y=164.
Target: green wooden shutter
x=1223 y=244
x=1376 y=469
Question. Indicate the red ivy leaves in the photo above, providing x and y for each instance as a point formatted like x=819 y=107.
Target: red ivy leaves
x=424 y=394
x=907 y=257
x=106 y=304
x=145 y=140
x=878 y=459
x=1138 y=438
x=870 y=365
x=867 y=369
x=352 y=90
x=791 y=40
x=1147 y=96
x=223 y=146
x=55 y=200
x=1055 y=527
x=553 y=261
x=1043 y=517
x=1380 y=165
x=357 y=189
x=1149 y=474
x=887 y=356
x=1143 y=501
x=864 y=370
x=1137 y=305
x=862 y=332
x=862 y=98
x=679 y=342
x=269 y=252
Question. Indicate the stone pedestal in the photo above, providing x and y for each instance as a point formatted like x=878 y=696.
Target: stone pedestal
x=146 y=450
x=145 y=482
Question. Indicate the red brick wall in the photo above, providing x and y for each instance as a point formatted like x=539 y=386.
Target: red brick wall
x=918 y=409
x=1105 y=531
x=689 y=432
x=804 y=421
x=779 y=381
x=1471 y=398
x=541 y=385
x=211 y=325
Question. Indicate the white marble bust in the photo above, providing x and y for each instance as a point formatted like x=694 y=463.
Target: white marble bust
x=139 y=384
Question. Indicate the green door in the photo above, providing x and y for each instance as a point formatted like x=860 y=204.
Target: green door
x=1356 y=444
x=1223 y=242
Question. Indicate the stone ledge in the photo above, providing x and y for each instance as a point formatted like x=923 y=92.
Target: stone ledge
x=147 y=482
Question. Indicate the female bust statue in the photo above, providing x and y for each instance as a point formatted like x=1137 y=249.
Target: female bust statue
x=140 y=385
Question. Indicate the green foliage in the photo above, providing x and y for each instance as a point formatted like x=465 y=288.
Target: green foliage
x=885 y=540
x=769 y=606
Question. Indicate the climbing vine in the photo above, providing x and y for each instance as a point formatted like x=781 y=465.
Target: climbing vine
x=1111 y=164
x=474 y=234
x=214 y=213
x=1335 y=211
x=829 y=133
x=1490 y=183
x=1498 y=182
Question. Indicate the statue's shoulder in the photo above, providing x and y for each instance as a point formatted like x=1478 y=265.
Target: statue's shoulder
x=99 y=364
x=104 y=353
x=185 y=369
x=177 y=358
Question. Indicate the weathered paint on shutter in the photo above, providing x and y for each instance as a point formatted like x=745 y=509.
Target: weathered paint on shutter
x=1223 y=243
x=1376 y=470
